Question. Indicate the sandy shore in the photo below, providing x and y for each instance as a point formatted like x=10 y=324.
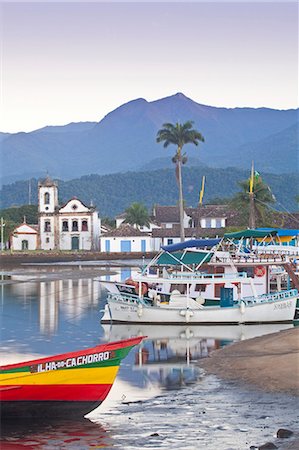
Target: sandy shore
x=268 y=362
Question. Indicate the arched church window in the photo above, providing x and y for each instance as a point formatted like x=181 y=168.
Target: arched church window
x=47 y=198
x=65 y=225
x=75 y=225
x=47 y=225
x=84 y=225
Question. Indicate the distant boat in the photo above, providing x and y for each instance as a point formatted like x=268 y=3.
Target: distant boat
x=66 y=385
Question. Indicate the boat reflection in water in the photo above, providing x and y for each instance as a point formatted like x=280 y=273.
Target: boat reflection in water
x=29 y=434
x=170 y=354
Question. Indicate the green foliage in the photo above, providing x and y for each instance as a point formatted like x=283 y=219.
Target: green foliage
x=179 y=135
x=113 y=193
x=137 y=214
x=262 y=198
x=13 y=217
x=17 y=214
x=108 y=221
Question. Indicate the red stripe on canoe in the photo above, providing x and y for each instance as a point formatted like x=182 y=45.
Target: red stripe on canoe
x=58 y=392
x=110 y=346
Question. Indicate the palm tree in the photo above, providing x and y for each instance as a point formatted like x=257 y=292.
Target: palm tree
x=262 y=196
x=137 y=215
x=179 y=135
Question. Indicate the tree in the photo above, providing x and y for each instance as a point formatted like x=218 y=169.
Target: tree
x=261 y=196
x=137 y=214
x=179 y=135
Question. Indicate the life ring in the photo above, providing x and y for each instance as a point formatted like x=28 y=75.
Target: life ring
x=259 y=271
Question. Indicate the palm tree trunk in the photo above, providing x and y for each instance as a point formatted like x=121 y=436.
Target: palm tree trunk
x=181 y=201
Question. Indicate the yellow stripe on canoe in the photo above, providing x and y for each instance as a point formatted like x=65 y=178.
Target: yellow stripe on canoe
x=93 y=375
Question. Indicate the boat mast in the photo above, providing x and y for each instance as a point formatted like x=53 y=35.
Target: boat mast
x=200 y=204
x=251 y=201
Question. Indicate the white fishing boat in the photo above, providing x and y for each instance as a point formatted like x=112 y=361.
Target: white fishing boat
x=268 y=308
x=177 y=292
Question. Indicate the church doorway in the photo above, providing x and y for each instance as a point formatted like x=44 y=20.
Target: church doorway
x=75 y=243
x=25 y=244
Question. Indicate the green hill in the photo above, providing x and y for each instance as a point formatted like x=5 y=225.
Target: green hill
x=113 y=193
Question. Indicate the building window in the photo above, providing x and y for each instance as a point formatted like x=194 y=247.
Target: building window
x=218 y=223
x=169 y=241
x=65 y=225
x=47 y=240
x=47 y=225
x=84 y=225
x=47 y=198
x=208 y=223
x=75 y=225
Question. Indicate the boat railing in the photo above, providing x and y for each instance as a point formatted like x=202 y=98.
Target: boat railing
x=128 y=298
x=265 y=298
x=207 y=276
x=253 y=259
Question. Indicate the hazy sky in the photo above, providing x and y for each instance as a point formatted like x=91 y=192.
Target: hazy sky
x=74 y=61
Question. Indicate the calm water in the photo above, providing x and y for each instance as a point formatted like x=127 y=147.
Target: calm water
x=161 y=397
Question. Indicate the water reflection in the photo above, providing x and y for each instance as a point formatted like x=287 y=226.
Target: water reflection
x=39 y=434
x=159 y=384
x=170 y=354
x=68 y=297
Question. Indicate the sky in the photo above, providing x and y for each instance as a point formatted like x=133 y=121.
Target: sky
x=65 y=62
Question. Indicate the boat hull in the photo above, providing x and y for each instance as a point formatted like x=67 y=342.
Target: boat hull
x=40 y=410
x=268 y=312
x=66 y=385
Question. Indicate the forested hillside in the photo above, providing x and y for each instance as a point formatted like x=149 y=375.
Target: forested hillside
x=113 y=193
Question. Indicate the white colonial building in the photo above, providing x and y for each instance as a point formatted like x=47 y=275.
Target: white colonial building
x=24 y=237
x=126 y=239
x=73 y=226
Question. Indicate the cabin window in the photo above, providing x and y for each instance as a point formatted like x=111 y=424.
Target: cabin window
x=47 y=198
x=47 y=226
x=200 y=287
x=179 y=287
x=217 y=291
x=248 y=270
x=84 y=225
x=65 y=225
x=75 y=225
x=169 y=241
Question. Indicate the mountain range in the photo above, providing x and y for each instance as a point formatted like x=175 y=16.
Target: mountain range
x=125 y=140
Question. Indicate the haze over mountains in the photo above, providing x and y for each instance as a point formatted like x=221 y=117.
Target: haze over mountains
x=125 y=140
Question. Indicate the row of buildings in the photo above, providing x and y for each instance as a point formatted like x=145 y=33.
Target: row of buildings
x=75 y=226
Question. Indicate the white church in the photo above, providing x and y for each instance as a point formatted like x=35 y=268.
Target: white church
x=72 y=226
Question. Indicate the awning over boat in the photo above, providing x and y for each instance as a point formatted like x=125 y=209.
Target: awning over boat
x=198 y=243
x=250 y=234
x=178 y=258
x=282 y=231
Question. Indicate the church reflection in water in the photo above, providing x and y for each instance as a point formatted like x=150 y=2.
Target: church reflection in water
x=67 y=297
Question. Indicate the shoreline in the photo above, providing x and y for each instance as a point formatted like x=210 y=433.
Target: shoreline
x=8 y=260
x=269 y=362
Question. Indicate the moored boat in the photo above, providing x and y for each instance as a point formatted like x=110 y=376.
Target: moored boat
x=66 y=385
x=269 y=308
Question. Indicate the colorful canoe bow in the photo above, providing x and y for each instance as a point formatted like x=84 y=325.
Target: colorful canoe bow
x=66 y=385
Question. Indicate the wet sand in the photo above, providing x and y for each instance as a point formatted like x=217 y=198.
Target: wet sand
x=268 y=362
